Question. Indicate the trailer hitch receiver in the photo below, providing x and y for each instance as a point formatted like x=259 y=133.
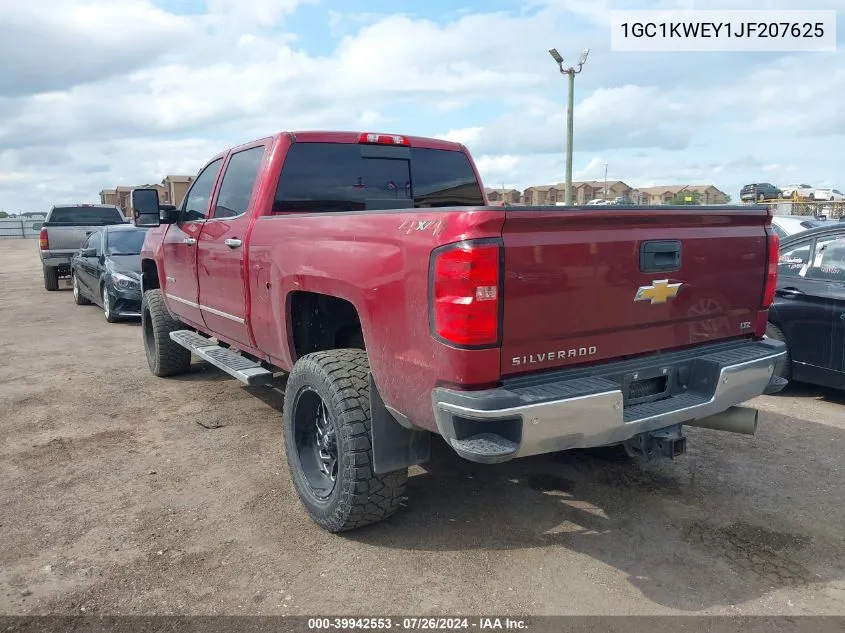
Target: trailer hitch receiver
x=669 y=442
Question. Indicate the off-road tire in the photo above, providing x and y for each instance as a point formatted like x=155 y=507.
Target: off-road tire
x=78 y=299
x=165 y=356
x=783 y=368
x=51 y=278
x=359 y=497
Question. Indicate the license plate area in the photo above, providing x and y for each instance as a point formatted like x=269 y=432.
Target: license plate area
x=648 y=385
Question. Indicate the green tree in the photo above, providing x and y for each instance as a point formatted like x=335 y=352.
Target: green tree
x=686 y=197
x=3 y=214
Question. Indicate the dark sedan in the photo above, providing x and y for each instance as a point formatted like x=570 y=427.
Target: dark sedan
x=809 y=308
x=760 y=191
x=107 y=271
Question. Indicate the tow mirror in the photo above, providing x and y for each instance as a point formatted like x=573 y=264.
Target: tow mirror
x=145 y=207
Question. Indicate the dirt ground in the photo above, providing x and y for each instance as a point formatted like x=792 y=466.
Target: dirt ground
x=114 y=499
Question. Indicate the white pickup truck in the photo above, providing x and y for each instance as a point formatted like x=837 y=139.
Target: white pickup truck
x=63 y=232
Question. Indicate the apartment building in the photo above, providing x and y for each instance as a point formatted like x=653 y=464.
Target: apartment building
x=172 y=190
x=582 y=192
x=706 y=194
x=509 y=196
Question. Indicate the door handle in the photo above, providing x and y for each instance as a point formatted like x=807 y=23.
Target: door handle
x=232 y=242
x=789 y=292
x=189 y=241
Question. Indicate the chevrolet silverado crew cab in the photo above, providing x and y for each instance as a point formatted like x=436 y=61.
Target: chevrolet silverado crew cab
x=63 y=232
x=370 y=270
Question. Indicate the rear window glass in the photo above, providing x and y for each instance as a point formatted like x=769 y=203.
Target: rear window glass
x=85 y=215
x=351 y=177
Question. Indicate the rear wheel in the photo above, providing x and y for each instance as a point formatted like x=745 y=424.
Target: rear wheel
x=328 y=443
x=78 y=298
x=51 y=278
x=164 y=356
x=783 y=368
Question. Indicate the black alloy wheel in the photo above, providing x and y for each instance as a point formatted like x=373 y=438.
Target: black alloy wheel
x=316 y=443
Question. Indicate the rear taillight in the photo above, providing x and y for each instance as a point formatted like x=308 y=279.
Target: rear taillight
x=466 y=293
x=771 y=269
x=43 y=242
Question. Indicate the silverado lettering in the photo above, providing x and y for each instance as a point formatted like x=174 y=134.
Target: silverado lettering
x=284 y=259
x=532 y=359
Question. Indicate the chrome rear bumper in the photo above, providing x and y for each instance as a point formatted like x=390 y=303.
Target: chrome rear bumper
x=602 y=405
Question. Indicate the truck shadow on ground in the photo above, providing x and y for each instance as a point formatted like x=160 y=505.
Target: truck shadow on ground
x=815 y=392
x=675 y=529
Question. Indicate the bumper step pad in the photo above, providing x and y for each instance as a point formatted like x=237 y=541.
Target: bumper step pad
x=489 y=446
x=247 y=371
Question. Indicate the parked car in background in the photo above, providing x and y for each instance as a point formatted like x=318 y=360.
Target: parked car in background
x=803 y=191
x=760 y=191
x=808 y=313
x=831 y=195
x=64 y=230
x=785 y=225
x=107 y=271
x=597 y=201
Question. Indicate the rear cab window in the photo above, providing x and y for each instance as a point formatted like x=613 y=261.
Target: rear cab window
x=336 y=177
x=87 y=216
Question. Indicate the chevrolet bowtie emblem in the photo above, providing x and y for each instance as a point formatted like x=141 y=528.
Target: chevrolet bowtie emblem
x=659 y=292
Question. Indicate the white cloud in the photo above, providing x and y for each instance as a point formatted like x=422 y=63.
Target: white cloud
x=499 y=171
x=74 y=42
x=156 y=93
x=463 y=135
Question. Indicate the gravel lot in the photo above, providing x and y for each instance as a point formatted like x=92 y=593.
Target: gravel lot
x=114 y=499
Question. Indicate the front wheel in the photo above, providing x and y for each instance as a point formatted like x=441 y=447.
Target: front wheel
x=328 y=443
x=108 y=311
x=164 y=355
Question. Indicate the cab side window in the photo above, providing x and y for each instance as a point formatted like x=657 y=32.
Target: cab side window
x=829 y=259
x=238 y=183
x=199 y=197
x=793 y=263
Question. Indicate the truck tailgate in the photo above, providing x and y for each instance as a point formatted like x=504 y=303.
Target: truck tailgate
x=588 y=285
x=67 y=238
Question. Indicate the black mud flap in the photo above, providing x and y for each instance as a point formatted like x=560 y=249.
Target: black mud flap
x=394 y=446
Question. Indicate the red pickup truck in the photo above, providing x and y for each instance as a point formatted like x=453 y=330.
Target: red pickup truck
x=370 y=269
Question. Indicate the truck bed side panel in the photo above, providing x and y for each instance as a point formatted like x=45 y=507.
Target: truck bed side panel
x=382 y=258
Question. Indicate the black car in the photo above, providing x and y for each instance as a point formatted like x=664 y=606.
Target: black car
x=760 y=191
x=809 y=309
x=107 y=271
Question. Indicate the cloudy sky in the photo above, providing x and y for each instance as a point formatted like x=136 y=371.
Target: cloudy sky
x=96 y=93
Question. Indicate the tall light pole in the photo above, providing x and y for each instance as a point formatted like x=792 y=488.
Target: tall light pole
x=605 y=180
x=570 y=106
